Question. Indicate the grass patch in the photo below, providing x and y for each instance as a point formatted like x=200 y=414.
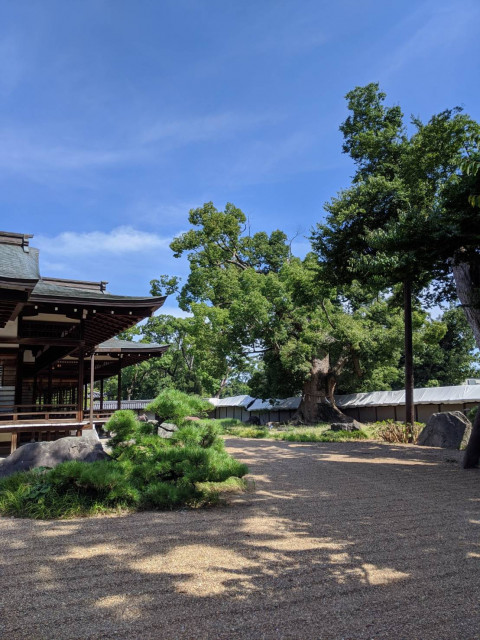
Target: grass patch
x=314 y=434
x=317 y=433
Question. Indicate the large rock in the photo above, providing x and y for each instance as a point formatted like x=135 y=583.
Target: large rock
x=346 y=426
x=166 y=429
x=450 y=430
x=86 y=448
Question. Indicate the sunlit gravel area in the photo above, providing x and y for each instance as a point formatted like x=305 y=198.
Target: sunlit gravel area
x=356 y=540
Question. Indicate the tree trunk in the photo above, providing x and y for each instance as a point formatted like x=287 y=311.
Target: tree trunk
x=320 y=386
x=471 y=457
x=223 y=383
x=467 y=282
x=409 y=384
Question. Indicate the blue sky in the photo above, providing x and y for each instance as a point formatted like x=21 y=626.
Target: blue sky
x=118 y=116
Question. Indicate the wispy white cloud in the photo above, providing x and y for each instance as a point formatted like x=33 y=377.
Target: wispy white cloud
x=262 y=158
x=119 y=241
x=208 y=128
x=19 y=152
x=442 y=26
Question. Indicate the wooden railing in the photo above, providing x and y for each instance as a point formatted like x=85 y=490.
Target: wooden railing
x=50 y=412
x=99 y=414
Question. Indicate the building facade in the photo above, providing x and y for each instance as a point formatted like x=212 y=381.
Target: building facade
x=57 y=338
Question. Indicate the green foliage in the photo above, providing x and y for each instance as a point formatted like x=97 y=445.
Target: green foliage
x=174 y=406
x=406 y=215
x=472 y=413
x=145 y=472
x=123 y=424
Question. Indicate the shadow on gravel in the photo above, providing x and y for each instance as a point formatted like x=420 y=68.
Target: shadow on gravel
x=344 y=540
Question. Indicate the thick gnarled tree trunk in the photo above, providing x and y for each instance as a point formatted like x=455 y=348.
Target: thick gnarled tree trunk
x=467 y=282
x=319 y=387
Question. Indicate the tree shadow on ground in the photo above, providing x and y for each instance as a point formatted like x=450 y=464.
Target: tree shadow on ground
x=345 y=540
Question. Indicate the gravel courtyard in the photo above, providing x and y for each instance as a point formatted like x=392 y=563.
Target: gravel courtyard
x=339 y=541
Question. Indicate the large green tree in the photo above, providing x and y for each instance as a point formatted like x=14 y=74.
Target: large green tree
x=308 y=334
x=275 y=306
x=383 y=229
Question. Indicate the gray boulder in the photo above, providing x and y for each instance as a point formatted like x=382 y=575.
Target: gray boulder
x=449 y=430
x=86 y=448
x=346 y=426
x=166 y=429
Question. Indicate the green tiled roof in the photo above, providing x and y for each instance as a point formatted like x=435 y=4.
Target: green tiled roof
x=129 y=345
x=49 y=290
x=18 y=264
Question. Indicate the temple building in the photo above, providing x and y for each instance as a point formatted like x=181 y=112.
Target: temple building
x=57 y=341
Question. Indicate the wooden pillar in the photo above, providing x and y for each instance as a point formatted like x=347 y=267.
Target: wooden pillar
x=409 y=406
x=13 y=442
x=81 y=356
x=92 y=381
x=49 y=388
x=101 y=394
x=119 y=389
x=19 y=376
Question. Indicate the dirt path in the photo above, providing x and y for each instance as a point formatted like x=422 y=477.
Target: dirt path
x=340 y=541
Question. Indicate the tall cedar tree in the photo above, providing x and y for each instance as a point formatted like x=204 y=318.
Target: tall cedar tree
x=383 y=229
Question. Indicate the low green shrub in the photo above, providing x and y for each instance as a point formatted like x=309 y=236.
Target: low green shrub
x=144 y=472
x=174 y=406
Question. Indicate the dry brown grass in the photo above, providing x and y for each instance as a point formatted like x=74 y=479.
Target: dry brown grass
x=398 y=432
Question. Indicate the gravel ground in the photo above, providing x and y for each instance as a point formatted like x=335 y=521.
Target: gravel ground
x=339 y=541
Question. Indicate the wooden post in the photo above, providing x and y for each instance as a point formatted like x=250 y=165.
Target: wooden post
x=35 y=390
x=81 y=355
x=19 y=376
x=409 y=406
x=119 y=389
x=92 y=381
x=101 y=394
x=13 y=442
x=49 y=388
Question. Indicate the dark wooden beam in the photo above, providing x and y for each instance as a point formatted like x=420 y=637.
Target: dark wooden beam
x=46 y=342
x=13 y=295
x=80 y=385
x=19 y=377
x=119 y=389
x=50 y=356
